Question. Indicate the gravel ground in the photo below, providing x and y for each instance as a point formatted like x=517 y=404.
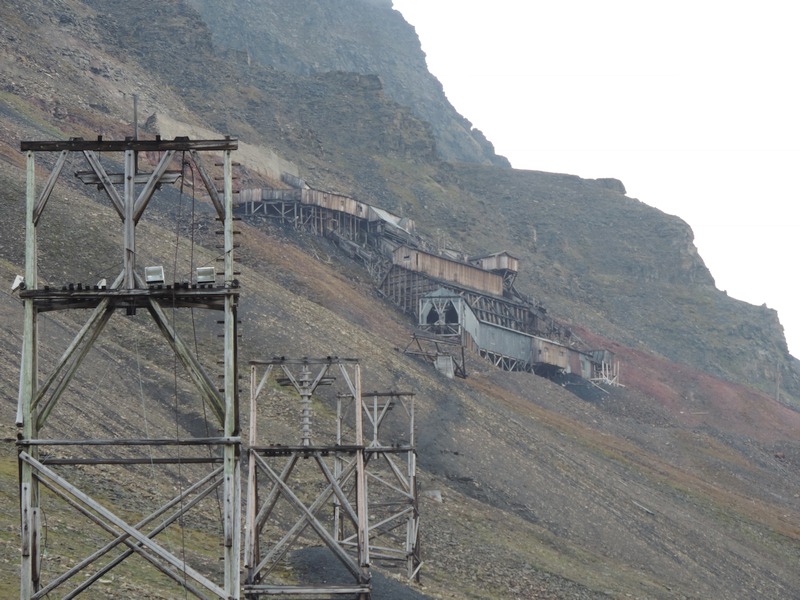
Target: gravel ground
x=318 y=565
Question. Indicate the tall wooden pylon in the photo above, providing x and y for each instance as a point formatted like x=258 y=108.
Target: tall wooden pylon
x=129 y=291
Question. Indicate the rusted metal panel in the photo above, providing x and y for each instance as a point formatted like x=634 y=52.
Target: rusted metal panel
x=379 y=214
x=446 y=269
x=580 y=363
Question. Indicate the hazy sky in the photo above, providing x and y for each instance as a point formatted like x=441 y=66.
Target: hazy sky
x=695 y=106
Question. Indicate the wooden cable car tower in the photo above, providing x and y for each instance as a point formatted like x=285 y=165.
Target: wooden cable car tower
x=278 y=480
x=130 y=291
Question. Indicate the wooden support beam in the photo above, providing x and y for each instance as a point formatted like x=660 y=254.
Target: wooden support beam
x=211 y=188
x=70 y=362
x=49 y=186
x=337 y=490
x=211 y=441
x=29 y=496
x=91 y=178
x=130 y=292
x=185 y=506
x=94 y=507
x=129 y=222
x=307 y=590
x=232 y=506
x=145 y=460
x=279 y=549
x=107 y=184
x=361 y=482
x=148 y=556
x=312 y=520
x=150 y=187
x=193 y=367
x=157 y=145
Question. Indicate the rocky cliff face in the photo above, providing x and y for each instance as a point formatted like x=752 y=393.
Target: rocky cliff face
x=363 y=36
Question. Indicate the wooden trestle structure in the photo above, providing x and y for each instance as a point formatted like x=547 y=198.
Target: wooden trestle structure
x=129 y=291
x=493 y=319
x=391 y=478
x=276 y=502
x=348 y=461
x=294 y=483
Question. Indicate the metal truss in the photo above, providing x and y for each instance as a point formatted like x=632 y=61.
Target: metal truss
x=38 y=468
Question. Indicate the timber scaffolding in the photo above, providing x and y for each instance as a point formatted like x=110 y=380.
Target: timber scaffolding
x=363 y=469
x=511 y=331
x=47 y=464
x=356 y=471
x=364 y=231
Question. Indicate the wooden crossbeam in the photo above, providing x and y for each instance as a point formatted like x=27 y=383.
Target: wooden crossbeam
x=97 y=511
x=156 y=145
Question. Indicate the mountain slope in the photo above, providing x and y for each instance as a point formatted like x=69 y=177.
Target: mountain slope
x=683 y=484
x=594 y=256
x=366 y=37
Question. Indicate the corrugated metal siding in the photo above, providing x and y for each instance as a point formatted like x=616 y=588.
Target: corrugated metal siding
x=605 y=356
x=482 y=335
x=448 y=270
x=469 y=322
x=404 y=223
x=501 y=341
x=586 y=365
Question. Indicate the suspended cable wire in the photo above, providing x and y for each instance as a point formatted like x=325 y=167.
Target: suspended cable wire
x=144 y=409
x=175 y=371
x=194 y=327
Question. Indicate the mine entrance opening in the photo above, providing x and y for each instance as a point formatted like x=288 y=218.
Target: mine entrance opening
x=450 y=316
x=443 y=319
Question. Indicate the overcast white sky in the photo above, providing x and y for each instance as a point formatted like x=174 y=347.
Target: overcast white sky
x=694 y=105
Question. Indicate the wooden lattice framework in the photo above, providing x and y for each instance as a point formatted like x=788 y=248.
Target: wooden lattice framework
x=129 y=292
x=290 y=485
x=391 y=479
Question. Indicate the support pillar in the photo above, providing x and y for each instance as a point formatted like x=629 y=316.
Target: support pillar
x=29 y=489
